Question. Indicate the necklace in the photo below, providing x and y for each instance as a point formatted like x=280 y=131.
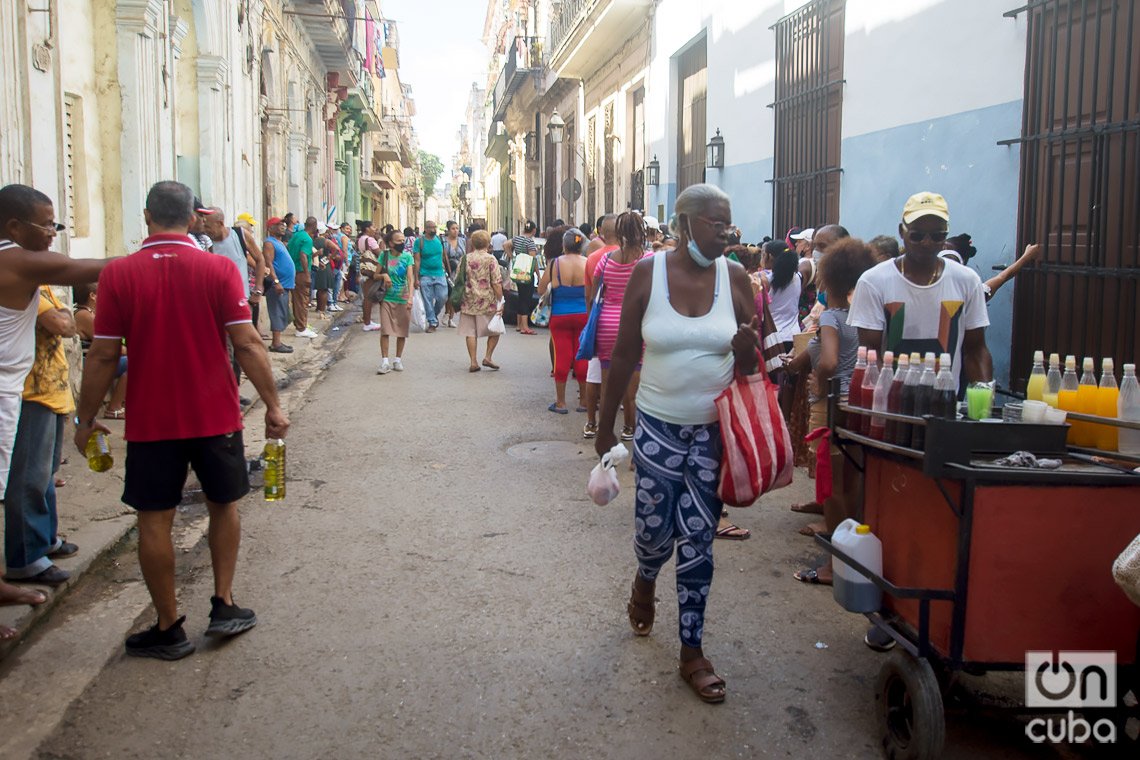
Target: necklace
x=933 y=275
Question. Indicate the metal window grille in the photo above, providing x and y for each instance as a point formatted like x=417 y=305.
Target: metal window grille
x=692 y=95
x=1080 y=182
x=808 y=112
x=592 y=169
x=637 y=180
x=608 y=147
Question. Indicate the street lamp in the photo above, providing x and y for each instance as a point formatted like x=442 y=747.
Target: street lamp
x=653 y=172
x=714 y=156
x=557 y=128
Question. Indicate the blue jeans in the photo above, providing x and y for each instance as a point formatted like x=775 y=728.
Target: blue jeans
x=678 y=469
x=30 y=517
x=434 y=292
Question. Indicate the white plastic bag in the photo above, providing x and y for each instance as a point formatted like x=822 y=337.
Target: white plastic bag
x=419 y=314
x=496 y=326
x=603 y=485
x=1126 y=570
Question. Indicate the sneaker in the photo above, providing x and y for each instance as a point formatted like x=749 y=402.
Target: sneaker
x=281 y=349
x=53 y=576
x=229 y=619
x=627 y=433
x=371 y=327
x=170 y=644
x=878 y=640
x=385 y=368
x=431 y=328
x=65 y=549
x=398 y=365
x=335 y=307
x=590 y=430
x=308 y=332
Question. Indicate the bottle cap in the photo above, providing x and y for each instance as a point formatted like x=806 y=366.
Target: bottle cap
x=915 y=358
x=888 y=358
x=862 y=530
x=945 y=361
x=1054 y=360
x=1071 y=362
x=904 y=361
x=872 y=355
x=929 y=359
x=1088 y=364
x=862 y=353
x=1039 y=357
x=1106 y=365
x=1130 y=368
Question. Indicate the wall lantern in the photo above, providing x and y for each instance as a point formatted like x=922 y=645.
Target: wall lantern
x=557 y=128
x=653 y=172
x=714 y=157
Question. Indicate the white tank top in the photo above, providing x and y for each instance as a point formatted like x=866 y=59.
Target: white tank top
x=785 y=308
x=17 y=339
x=688 y=360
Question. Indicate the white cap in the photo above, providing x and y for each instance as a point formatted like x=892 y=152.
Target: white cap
x=1039 y=356
x=1088 y=364
x=652 y=223
x=807 y=234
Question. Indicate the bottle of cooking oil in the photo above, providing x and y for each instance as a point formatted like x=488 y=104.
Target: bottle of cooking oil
x=98 y=453
x=275 y=469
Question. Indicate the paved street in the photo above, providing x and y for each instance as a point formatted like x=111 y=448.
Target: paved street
x=437 y=585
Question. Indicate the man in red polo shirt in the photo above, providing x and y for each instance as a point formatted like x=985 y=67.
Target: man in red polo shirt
x=175 y=305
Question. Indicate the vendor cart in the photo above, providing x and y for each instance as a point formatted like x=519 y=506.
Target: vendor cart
x=983 y=563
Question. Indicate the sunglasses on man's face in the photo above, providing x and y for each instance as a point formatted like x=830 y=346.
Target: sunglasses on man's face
x=52 y=227
x=915 y=236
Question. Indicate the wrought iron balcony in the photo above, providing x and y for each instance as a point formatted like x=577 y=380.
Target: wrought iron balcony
x=523 y=58
x=584 y=33
x=566 y=18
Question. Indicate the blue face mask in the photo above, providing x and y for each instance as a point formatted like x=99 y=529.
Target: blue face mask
x=695 y=252
x=823 y=298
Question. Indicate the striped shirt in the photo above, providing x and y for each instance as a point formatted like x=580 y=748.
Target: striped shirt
x=615 y=278
x=524 y=244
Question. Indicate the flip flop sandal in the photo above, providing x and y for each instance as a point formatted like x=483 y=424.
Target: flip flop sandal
x=118 y=414
x=490 y=365
x=810 y=577
x=641 y=614
x=474 y=369
x=811 y=508
x=554 y=408
x=809 y=531
x=734 y=533
x=703 y=680
x=581 y=410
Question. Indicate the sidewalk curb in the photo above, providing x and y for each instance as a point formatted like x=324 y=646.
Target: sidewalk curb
x=108 y=536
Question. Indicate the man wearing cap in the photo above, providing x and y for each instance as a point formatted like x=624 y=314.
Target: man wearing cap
x=202 y=212
x=280 y=280
x=255 y=264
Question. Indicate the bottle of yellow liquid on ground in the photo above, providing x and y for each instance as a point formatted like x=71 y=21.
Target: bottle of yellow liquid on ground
x=1052 y=381
x=1106 y=398
x=1086 y=403
x=1067 y=396
x=275 y=470
x=1035 y=390
x=98 y=453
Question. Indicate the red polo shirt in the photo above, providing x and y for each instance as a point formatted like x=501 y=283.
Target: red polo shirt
x=171 y=303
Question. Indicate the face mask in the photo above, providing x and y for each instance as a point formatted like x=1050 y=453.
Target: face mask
x=823 y=299
x=695 y=252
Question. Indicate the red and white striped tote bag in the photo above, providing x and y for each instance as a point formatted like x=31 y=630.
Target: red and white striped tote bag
x=757 y=446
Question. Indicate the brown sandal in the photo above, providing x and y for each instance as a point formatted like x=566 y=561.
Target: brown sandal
x=640 y=613
x=703 y=680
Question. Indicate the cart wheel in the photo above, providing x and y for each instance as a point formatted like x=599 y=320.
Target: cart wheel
x=909 y=705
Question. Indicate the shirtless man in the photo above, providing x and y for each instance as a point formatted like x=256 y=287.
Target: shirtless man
x=27 y=230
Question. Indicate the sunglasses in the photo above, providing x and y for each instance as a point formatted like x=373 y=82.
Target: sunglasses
x=53 y=227
x=915 y=236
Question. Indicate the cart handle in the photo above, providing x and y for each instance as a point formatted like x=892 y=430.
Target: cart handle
x=899 y=592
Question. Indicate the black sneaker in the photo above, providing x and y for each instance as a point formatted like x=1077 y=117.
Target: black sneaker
x=65 y=549
x=170 y=644
x=229 y=619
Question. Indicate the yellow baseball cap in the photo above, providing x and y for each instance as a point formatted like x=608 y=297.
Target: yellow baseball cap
x=248 y=219
x=925 y=204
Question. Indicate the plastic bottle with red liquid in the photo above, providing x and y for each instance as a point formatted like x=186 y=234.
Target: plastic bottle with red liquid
x=882 y=396
x=944 y=401
x=855 y=388
x=867 y=399
x=909 y=393
x=894 y=400
x=922 y=398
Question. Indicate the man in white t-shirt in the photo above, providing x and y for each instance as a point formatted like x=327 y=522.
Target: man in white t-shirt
x=921 y=302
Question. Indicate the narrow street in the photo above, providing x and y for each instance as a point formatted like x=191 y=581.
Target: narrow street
x=438 y=585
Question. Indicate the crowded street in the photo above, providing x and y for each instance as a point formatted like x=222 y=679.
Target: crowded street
x=621 y=379
x=474 y=608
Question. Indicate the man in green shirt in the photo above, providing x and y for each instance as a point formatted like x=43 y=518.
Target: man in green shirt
x=432 y=270
x=301 y=251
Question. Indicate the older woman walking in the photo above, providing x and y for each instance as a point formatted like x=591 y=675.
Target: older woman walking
x=695 y=313
x=396 y=309
x=482 y=300
x=565 y=278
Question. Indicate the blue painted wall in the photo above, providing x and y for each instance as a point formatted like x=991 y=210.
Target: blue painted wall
x=957 y=156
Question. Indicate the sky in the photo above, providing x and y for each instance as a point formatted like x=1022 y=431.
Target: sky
x=441 y=54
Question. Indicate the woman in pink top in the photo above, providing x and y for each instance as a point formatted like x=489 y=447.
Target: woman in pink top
x=614 y=271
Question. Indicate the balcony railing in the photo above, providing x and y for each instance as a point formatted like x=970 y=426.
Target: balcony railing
x=524 y=56
x=568 y=16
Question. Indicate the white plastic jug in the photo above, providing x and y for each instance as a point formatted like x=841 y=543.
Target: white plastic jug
x=851 y=589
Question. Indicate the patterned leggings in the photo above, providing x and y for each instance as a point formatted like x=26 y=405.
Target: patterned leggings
x=678 y=468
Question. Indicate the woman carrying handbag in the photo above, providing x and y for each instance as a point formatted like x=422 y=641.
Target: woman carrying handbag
x=695 y=314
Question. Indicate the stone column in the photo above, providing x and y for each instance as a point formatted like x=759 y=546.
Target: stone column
x=296 y=164
x=213 y=72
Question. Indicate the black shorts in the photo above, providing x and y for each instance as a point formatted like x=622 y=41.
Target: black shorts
x=157 y=470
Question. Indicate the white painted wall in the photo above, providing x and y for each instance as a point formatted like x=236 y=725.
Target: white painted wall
x=898 y=71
